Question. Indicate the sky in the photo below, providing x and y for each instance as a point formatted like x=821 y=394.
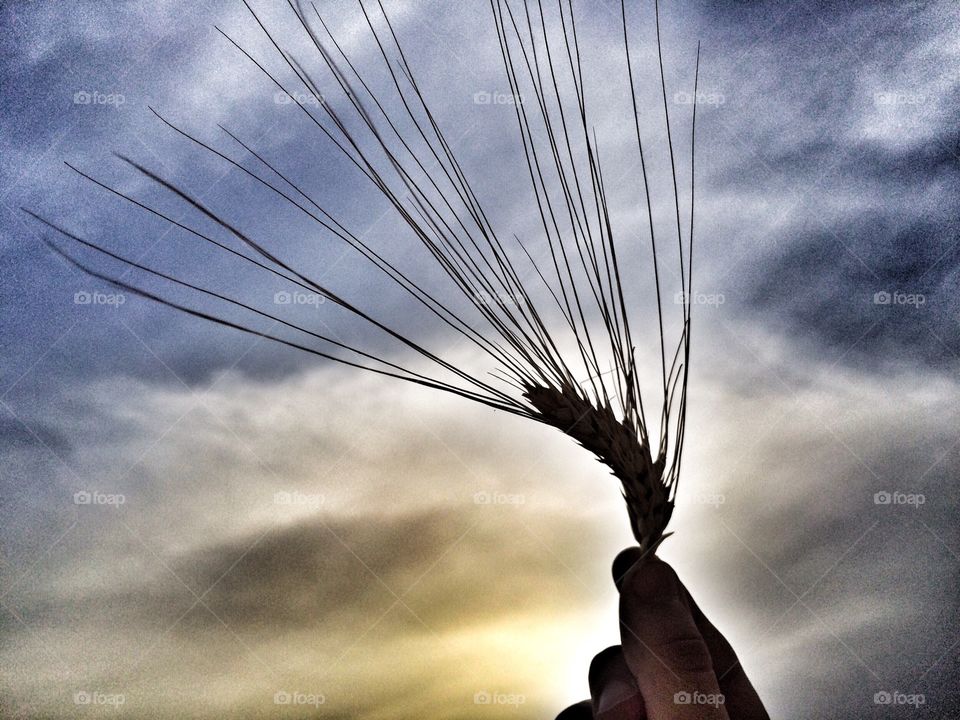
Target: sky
x=197 y=522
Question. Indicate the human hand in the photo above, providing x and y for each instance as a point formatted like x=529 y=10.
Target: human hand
x=672 y=662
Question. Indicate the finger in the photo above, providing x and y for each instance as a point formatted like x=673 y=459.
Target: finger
x=663 y=647
x=581 y=711
x=624 y=562
x=613 y=688
x=741 y=699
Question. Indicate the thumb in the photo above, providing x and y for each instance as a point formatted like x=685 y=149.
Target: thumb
x=663 y=647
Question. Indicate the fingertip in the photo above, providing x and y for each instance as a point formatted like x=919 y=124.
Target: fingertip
x=601 y=661
x=623 y=563
x=613 y=687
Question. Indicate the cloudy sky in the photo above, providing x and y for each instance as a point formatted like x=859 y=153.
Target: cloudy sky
x=197 y=522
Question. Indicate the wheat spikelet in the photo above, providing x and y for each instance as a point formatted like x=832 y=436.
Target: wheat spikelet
x=616 y=444
x=422 y=179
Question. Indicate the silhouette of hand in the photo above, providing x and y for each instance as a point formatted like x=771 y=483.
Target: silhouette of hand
x=672 y=663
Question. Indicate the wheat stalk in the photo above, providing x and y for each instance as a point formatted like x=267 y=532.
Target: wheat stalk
x=419 y=174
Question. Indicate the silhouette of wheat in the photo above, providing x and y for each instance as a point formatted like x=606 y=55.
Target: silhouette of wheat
x=419 y=174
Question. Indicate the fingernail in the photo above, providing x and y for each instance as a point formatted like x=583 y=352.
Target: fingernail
x=614 y=692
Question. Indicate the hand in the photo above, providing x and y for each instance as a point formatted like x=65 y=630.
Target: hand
x=672 y=663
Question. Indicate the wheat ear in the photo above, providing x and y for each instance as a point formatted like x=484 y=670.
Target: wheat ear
x=421 y=178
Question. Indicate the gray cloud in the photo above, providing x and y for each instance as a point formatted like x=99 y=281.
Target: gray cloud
x=829 y=173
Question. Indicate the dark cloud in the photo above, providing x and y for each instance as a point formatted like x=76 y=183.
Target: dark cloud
x=320 y=586
x=320 y=574
x=876 y=291
x=17 y=435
